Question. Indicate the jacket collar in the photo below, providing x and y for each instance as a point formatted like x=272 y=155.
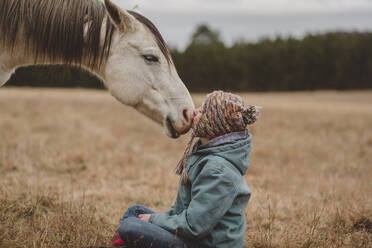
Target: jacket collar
x=228 y=138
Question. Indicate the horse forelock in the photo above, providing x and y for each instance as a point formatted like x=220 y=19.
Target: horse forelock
x=53 y=30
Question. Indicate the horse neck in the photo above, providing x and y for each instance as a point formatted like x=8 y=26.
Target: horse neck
x=11 y=59
x=10 y=62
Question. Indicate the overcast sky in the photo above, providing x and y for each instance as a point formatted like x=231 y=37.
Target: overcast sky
x=252 y=19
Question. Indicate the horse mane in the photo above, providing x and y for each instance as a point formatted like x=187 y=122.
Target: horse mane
x=53 y=30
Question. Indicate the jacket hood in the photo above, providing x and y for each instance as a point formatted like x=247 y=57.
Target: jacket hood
x=237 y=153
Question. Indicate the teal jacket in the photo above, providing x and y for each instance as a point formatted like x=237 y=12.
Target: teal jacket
x=210 y=209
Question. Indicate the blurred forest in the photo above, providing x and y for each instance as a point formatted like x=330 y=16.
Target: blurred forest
x=333 y=60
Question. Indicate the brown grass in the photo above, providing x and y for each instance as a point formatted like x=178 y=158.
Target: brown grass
x=72 y=161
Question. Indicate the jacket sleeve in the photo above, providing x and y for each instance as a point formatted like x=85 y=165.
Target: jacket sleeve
x=169 y=212
x=212 y=194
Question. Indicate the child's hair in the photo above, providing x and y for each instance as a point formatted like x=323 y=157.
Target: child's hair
x=221 y=113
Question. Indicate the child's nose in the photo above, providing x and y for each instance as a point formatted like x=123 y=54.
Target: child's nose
x=196 y=111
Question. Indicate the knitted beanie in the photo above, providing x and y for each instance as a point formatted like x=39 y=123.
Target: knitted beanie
x=221 y=113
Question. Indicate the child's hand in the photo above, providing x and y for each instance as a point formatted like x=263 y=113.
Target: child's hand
x=144 y=217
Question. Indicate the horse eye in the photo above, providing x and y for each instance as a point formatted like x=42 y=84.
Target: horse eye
x=150 y=58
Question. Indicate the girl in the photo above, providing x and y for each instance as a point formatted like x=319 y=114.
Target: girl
x=212 y=195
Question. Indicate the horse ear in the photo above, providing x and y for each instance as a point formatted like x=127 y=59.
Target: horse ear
x=121 y=18
x=137 y=9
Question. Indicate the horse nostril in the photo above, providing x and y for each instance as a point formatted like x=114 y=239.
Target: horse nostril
x=185 y=114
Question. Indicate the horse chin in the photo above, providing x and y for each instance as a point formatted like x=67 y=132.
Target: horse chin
x=170 y=130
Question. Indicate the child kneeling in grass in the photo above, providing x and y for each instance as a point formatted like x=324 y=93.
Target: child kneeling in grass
x=212 y=196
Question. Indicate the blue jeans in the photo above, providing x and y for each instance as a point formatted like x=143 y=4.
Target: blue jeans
x=138 y=233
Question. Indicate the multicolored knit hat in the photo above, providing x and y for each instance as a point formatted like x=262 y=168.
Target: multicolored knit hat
x=221 y=113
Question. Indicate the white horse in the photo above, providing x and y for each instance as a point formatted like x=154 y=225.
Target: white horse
x=123 y=48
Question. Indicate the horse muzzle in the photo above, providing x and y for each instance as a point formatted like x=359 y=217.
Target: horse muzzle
x=176 y=128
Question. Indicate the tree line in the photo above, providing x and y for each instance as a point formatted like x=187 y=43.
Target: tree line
x=333 y=60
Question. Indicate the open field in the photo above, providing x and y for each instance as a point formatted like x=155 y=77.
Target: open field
x=72 y=161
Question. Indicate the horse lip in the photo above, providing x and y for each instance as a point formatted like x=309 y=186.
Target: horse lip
x=174 y=133
x=185 y=130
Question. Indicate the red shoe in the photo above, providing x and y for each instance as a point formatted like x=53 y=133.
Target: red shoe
x=116 y=241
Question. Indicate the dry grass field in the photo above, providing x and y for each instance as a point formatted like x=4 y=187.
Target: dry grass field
x=72 y=161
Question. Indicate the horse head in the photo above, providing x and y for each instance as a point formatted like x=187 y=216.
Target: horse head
x=140 y=72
